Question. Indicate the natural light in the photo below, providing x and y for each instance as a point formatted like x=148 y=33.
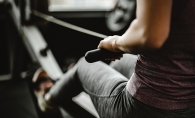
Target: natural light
x=81 y=5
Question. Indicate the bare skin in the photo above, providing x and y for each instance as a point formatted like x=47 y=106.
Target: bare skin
x=147 y=32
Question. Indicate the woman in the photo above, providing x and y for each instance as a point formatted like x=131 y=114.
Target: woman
x=163 y=83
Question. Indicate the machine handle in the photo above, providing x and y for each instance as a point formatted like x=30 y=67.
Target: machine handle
x=100 y=54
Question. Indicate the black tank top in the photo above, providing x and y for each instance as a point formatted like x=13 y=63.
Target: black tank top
x=166 y=78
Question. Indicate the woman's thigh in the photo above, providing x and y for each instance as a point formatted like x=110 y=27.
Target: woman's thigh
x=104 y=84
x=106 y=87
x=126 y=65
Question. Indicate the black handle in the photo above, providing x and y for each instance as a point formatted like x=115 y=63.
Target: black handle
x=100 y=54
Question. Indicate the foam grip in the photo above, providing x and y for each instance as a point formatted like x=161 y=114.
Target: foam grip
x=100 y=54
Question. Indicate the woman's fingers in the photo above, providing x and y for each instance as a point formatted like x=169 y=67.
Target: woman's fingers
x=107 y=43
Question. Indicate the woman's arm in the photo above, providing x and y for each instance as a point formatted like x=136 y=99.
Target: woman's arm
x=148 y=31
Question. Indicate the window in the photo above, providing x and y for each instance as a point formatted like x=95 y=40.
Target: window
x=81 y=5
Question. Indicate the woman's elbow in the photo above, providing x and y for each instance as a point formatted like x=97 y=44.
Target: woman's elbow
x=155 y=42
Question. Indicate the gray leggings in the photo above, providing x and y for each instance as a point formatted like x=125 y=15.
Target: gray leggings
x=106 y=85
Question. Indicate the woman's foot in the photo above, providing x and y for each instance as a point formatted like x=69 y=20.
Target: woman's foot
x=42 y=84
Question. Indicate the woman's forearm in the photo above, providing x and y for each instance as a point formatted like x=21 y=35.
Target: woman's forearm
x=136 y=39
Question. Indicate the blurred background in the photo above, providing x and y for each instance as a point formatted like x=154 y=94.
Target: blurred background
x=28 y=41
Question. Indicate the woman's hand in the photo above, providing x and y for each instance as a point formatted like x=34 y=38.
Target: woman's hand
x=109 y=43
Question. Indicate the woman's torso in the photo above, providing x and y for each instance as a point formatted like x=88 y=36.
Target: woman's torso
x=166 y=78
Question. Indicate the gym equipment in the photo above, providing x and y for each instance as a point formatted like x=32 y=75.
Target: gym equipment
x=121 y=16
x=117 y=20
x=90 y=56
x=16 y=99
x=25 y=40
x=100 y=54
x=23 y=14
x=65 y=24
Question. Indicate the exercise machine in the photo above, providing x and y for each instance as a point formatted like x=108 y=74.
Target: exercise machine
x=24 y=49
